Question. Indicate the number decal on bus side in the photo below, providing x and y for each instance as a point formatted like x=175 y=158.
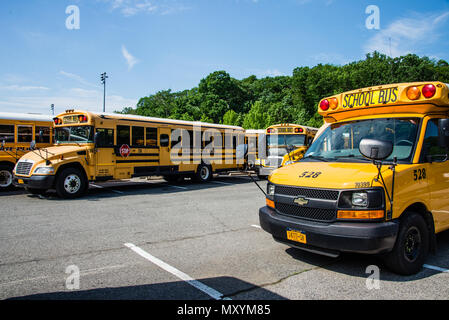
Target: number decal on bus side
x=309 y=174
x=419 y=174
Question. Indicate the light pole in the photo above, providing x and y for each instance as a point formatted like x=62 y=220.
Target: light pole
x=103 y=81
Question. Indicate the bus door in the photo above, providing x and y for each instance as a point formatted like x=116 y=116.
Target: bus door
x=164 y=150
x=105 y=154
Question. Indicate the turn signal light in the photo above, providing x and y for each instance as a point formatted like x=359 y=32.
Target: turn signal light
x=324 y=105
x=429 y=90
x=360 y=214
x=270 y=203
x=413 y=93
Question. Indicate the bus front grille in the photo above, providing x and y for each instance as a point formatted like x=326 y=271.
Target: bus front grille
x=24 y=168
x=307 y=192
x=316 y=214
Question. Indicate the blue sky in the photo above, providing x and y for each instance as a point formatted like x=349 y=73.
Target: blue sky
x=151 y=45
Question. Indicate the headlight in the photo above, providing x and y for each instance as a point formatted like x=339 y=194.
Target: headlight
x=270 y=190
x=45 y=170
x=360 y=199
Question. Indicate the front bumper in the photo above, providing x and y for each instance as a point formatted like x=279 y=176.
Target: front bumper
x=331 y=238
x=35 y=182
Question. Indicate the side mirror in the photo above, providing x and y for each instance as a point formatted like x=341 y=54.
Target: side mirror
x=375 y=149
x=33 y=145
x=443 y=133
x=41 y=136
x=96 y=138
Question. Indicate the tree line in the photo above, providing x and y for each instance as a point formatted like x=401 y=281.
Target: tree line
x=258 y=103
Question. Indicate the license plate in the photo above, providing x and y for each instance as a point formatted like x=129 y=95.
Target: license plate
x=296 y=236
x=20 y=181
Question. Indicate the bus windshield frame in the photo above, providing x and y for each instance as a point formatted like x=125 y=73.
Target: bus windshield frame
x=74 y=134
x=340 y=141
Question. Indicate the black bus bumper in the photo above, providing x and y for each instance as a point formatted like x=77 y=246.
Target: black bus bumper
x=35 y=182
x=331 y=238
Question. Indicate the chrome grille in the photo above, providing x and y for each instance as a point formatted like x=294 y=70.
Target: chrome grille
x=307 y=192
x=316 y=214
x=24 y=168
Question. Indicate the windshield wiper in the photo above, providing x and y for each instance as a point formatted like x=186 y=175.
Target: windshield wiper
x=351 y=156
x=320 y=158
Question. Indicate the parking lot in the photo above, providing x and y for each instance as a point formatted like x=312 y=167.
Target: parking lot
x=149 y=239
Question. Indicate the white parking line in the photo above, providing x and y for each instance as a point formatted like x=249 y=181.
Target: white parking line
x=101 y=187
x=170 y=185
x=256 y=226
x=179 y=274
x=220 y=182
x=428 y=266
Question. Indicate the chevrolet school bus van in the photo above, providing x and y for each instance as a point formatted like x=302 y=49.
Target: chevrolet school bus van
x=93 y=146
x=285 y=144
x=17 y=131
x=375 y=181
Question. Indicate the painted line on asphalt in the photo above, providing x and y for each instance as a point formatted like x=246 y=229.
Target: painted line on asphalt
x=221 y=182
x=179 y=274
x=256 y=226
x=101 y=187
x=428 y=266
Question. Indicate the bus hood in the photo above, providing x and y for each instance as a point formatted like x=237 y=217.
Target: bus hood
x=331 y=175
x=53 y=153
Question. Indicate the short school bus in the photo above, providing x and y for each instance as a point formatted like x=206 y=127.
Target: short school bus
x=17 y=130
x=98 y=147
x=375 y=181
x=284 y=144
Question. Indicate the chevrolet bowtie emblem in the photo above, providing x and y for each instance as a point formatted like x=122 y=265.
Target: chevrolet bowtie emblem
x=301 y=201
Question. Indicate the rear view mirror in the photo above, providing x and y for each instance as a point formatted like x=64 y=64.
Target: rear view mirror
x=41 y=136
x=375 y=149
x=33 y=145
x=97 y=137
x=443 y=133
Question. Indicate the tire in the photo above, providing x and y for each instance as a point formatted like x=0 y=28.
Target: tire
x=412 y=246
x=71 y=183
x=6 y=177
x=35 y=191
x=203 y=173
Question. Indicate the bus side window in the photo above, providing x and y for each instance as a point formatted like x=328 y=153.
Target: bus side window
x=151 y=139
x=45 y=138
x=24 y=133
x=138 y=136
x=6 y=133
x=431 y=151
x=106 y=137
x=123 y=135
x=164 y=140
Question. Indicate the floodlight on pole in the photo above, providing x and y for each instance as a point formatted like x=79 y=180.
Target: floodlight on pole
x=103 y=82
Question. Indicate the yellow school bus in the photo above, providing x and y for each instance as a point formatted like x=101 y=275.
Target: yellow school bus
x=285 y=144
x=17 y=131
x=375 y=181
x=253 y=137
x=93 y=146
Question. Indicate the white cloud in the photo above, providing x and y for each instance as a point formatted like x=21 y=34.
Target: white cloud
x=407 y=35
x=16 y=87
x=130 y=59
x=129 y=8
x=77 y=78
x=269 y=73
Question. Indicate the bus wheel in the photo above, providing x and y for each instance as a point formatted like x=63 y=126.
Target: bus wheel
x=203 y=173
x=411 y=247
x=71 y=183
x=6 y=177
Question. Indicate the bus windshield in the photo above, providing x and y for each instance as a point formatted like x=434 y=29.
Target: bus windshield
x=276 y=140
x=340 y=141
x=74 y=134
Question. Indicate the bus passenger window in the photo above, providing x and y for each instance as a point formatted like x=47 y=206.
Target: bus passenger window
x=105 y=137
x=431 y=151
x=123 y=135
x=138 y=136
x=165 y=140
x=24 y=133
x=6 y=134
x=151 y=140
x=45 y=137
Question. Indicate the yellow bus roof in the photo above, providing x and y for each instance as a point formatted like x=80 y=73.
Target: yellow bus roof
x=385 y=99
x=132 y=117
x=25 y=117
